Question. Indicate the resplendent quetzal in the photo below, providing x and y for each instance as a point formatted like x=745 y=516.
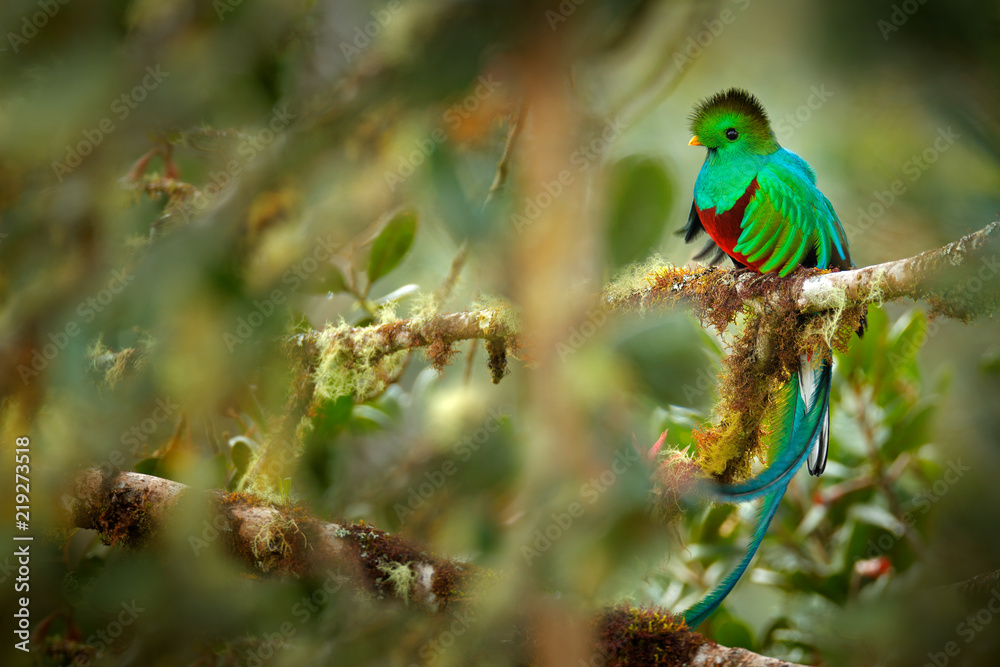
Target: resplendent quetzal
x=759 y=205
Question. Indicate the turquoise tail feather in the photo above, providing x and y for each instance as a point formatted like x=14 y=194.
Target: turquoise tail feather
x=804 y=431
x=700 y=611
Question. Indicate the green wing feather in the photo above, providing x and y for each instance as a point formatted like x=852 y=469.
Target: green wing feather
x=788 y=217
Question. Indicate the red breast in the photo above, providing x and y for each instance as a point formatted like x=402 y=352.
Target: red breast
x=725 y=228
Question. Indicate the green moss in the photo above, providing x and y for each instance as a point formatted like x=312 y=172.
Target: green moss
x=765 y=346
x=645 y=636
x=360 y=369
x=260 y=487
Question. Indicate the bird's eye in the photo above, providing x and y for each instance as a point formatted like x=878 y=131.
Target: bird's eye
x=731 y=134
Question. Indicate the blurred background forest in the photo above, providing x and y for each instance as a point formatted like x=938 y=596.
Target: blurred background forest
x=192 y=182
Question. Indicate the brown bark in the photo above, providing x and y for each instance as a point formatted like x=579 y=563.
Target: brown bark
x=129 y=508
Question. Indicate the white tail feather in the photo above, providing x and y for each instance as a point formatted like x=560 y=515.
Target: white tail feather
x=809 y=373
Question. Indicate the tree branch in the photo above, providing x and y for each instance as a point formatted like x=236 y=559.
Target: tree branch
x=361 y=349
x=407 y=334
x=129 y=509
x=956 y=280
x=949 y=278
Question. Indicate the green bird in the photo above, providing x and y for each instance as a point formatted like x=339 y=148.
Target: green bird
x=760 y=206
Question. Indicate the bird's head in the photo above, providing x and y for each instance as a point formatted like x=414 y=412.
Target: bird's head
x=733 y=122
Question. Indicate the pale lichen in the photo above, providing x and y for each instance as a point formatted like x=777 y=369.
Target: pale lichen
x=495 y=315
x=633 y=281
x=401 y=577
x=424 y=307
x=271 y=541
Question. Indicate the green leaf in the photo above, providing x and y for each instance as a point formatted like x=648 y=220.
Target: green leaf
x=391 y=244
x=148 y=466
x=878 y=516
x=331 y=417
x=368 y=419
x=730 y=631
x=989 y=363
x=451 y=182
x=905 y=338
x=641 y=195
x=708 y=529
x=241 y=455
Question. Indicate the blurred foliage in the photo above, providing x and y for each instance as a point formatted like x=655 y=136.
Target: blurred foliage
x=183 y=185
x=640 y=197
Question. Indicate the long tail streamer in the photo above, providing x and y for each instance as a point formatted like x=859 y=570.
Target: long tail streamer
x=804 y=432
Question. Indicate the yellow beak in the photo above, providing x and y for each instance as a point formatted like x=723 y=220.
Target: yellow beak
x=694 y=141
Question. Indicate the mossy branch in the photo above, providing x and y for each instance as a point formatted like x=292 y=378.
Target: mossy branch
x=957 y=281
x=129 y=509
x=357 y=350
x=811 y=311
